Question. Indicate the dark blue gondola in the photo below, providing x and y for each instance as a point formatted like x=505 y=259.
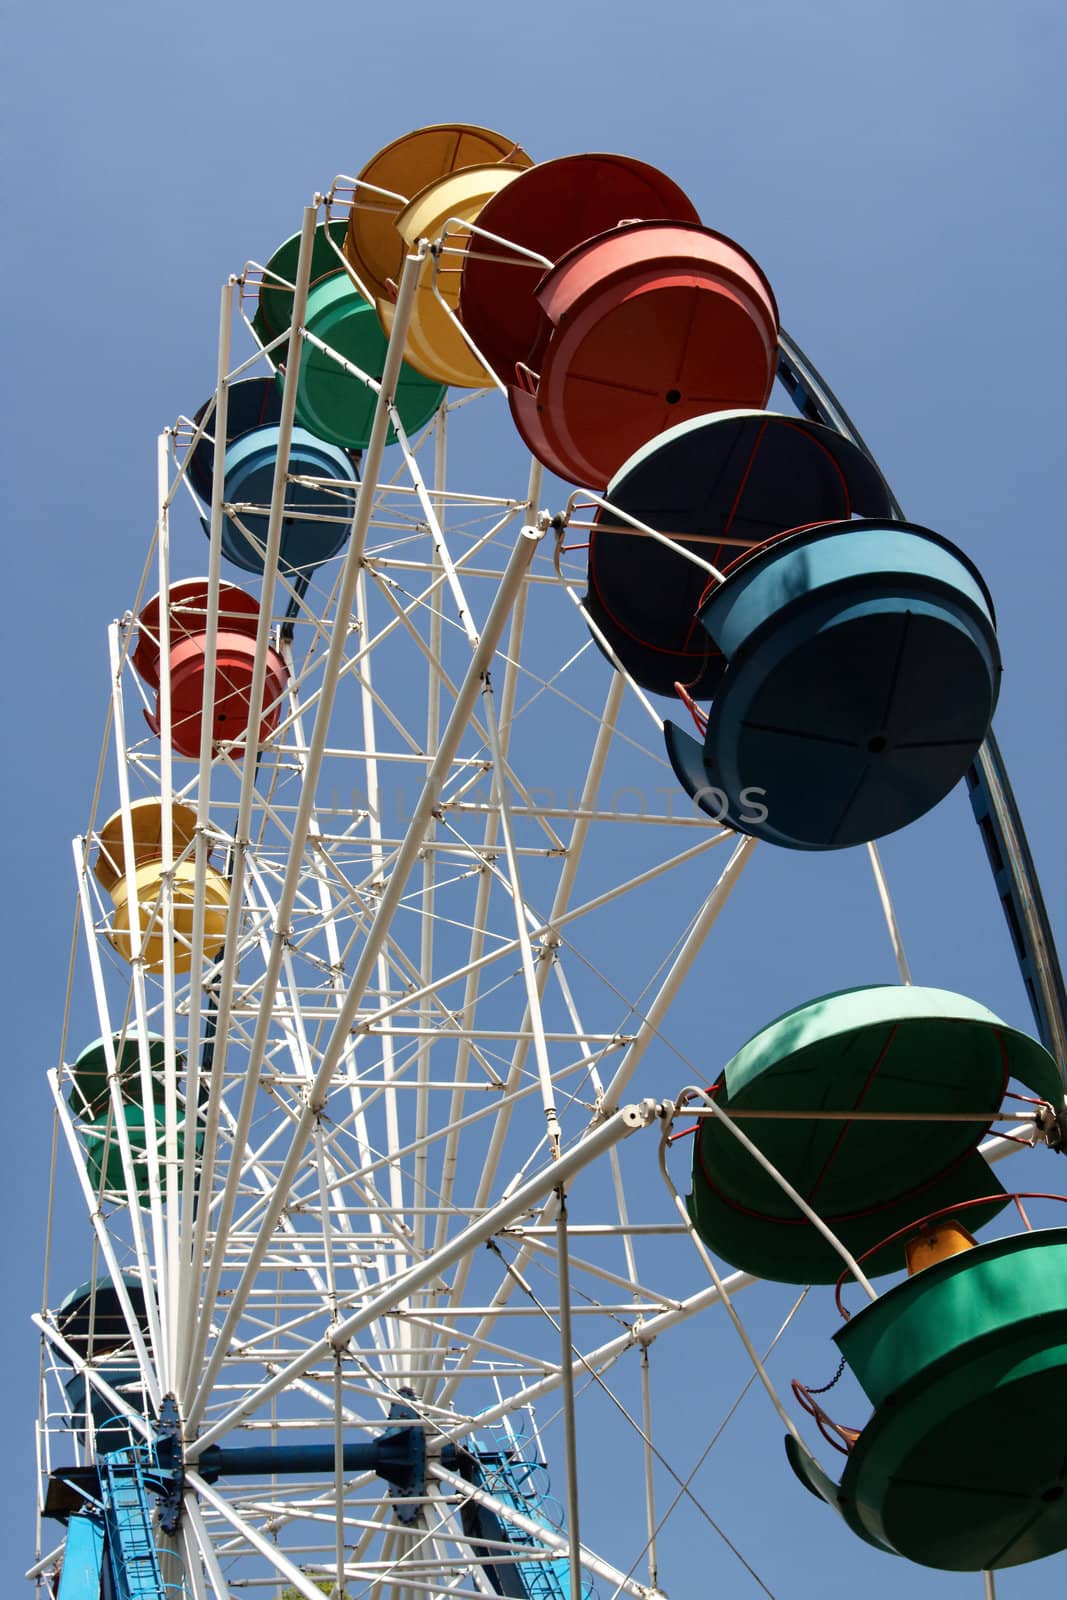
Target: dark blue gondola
x=714 y=485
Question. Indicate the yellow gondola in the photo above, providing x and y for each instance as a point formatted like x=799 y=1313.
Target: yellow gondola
x=110 y=867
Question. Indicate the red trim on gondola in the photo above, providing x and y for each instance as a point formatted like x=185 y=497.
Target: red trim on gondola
x=931 y=1216
x=865 y=1211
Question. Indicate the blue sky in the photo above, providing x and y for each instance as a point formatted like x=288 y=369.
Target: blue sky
x=896 y=169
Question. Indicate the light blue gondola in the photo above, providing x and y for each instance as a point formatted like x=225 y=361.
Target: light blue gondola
x=862 y=673
x=317 y=518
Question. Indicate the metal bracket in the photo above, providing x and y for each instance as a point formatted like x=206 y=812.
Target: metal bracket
x=402 y=1458
x=168 y=1481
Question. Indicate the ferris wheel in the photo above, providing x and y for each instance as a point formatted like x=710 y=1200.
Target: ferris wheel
x=408 y=1201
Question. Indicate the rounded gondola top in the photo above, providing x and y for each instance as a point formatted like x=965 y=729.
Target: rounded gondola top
x=862 y=673
x=550 y=209
x=251 y=403
x=146 y=824
x=91 y=1318
x=89 y=1096
x=891 y=1049
x=403 y=168
x=92 y=1322
x=317 y=518
x=110 y=867
x=332 y=403
x=961 y=1466
x=337 y=405
x=238 y=613
x=235 y=652
x=274 y=313
x=713 y=484
x=653 y=323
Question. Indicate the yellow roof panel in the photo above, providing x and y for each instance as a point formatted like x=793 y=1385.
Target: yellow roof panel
x=404 y=168
x=146 y=822
x=435 y=346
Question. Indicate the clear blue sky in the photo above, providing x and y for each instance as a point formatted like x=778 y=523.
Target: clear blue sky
x=897 y=170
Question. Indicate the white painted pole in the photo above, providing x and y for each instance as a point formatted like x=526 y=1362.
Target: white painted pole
x=888 y=912
x=136 y=934
x=650 y=1466
x=533 y=991
x=198 y=1175
x=263 y=1546
x=140 y=1243
x=661 y=1004
x=783 y=1183
x=570 y=1426
x=167 y=1268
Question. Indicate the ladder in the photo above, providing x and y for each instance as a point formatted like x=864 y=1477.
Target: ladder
x=542 y=1580
x=130 y=1541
